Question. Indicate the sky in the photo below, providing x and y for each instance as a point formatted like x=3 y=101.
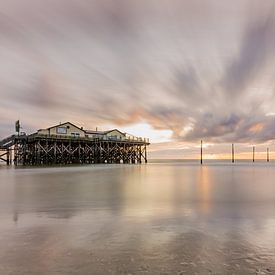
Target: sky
x=175 y=71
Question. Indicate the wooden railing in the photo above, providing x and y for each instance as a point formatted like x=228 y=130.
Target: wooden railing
x=104 y=138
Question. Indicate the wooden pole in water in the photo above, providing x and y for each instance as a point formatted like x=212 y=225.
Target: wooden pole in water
x=267 y=154
x=8 y=157
x=253 y=158
x=145 y=154
x=201 y=151
x=233 y=153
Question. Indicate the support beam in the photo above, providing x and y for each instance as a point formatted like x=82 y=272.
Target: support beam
x=6 y=156
x=49 y=150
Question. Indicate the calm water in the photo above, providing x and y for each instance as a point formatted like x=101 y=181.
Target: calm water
x=159 y=218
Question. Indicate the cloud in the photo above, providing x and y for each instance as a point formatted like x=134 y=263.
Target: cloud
x=200 y=69
x=255 y=51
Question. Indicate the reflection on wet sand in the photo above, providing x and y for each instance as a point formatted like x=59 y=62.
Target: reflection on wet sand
x=203 y=188
x=145 y=219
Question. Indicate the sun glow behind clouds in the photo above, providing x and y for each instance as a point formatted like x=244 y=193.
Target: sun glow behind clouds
x=146 y=130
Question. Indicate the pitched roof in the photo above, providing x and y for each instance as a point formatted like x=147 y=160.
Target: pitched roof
x=102 y=132
x=95 y=132
x=64 y=124
x=115 y=130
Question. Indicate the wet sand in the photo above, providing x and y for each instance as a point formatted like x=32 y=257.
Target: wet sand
x=159 y=218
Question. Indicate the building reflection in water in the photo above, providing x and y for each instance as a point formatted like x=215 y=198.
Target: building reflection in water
x=204 y=186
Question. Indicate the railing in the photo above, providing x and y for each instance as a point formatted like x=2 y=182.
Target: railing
x=104 y=138
x=133 y=138
x=7 y=142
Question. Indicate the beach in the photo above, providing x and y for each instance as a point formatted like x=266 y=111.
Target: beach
x=164 y=217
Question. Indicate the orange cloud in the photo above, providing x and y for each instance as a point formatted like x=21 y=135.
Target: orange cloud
x=256 y=128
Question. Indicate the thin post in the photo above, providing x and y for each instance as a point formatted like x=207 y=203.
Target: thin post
x=15 y=154
x=267 y=154
x=233 y=153
x=253 y=157
x=145 y=154
x=201 y=151
x=9 y=156
x=139 y=157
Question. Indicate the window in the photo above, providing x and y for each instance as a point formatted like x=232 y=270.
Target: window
x=75 y=134
x=113 y=137
x=61 y=130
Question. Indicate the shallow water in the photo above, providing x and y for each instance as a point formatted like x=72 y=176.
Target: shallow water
x=159 y=218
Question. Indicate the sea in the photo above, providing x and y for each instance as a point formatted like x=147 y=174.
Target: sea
x=163 y=217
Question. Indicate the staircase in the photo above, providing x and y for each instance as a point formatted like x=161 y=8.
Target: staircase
x=7 y=142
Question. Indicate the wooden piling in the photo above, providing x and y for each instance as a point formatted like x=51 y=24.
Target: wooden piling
x=44 y=150
x=233 y=153
x=267 y=154
x=201 y=152
x=8 y=157
x=253 y=156
x=145 y=149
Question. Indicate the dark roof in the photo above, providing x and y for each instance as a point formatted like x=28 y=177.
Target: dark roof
x=64 y=124
x=95 y=132
x=102 y=132
x=115 y=130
